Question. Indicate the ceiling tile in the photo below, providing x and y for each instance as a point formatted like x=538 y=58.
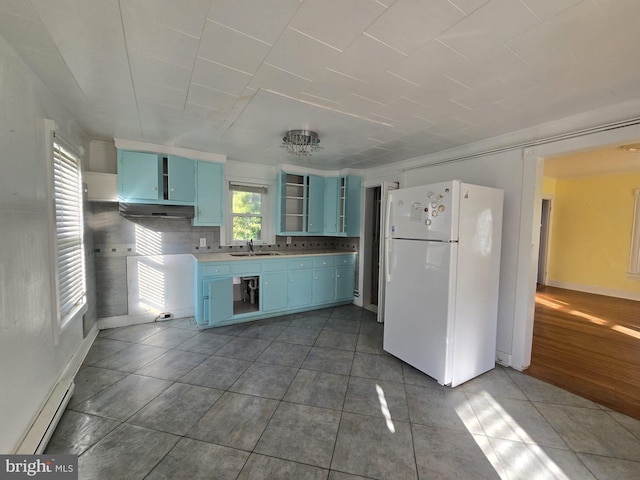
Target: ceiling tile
x=278 y=80
x=207 y=116
x=399 y=109
x=423 y=63
x=20 y=8
x=409 y=24
x=164 y=43
x=335 y=22
x=301 y=55
x=357 y=105
x=385 y=88
x=366 y=58
x=468 y=6
x=153 y=70
x=545 y=9
x=210 y=98
x=332 y=85
x=219 y=77
x=450 y=126
x=436 y=89
x=246 y=55
x=443 y=111
x=481 y=115
x=161 y=94
x=486 y=28
x=493 y=64
x=485 y=94
x=262 y=20
x=186 y=16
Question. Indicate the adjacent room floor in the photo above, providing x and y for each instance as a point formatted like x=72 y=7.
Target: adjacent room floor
x=314 y=396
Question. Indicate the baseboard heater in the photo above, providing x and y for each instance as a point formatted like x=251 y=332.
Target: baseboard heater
x=47 y=420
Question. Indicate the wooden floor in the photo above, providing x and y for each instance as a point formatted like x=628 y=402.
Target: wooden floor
x=590 y=345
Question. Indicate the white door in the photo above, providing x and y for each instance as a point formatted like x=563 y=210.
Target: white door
x=418 y=305
x=385 y=188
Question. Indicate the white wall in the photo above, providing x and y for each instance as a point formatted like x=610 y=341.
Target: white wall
x=30 y=361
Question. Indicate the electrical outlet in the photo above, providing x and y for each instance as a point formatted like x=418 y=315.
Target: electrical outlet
x=203 y=242
x=288 y=240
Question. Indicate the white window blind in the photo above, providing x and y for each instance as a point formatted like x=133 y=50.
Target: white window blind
x=69 y=230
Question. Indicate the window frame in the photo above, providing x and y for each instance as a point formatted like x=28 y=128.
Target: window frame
x=267 y=220
x=634 y=253
x=60 y=320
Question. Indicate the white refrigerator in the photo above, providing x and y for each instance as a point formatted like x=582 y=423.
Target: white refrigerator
x=443 y=265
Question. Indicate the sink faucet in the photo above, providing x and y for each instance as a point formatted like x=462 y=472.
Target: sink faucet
x=250 y=245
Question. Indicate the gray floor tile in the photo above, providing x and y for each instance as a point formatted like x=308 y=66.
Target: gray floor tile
x=173 y=365
x=91 y=380
x=195 y=460
x=301 y=433
x=323 y=312
x=133 y=333
x=286 y=354
x=370 y=317
x=176 y=409
x=243 y=348
x=188 y=323
x=103 y=348
x=605 y=468
x=283 y=320
x=337 y=340
x=318 y=389
x=216 y=372
x=516 y=420
x=592 y=431
x=347 y=311
x=497 y=382
x=131 y=358
x=299 y=336
x=169 y=337
x=523 y=461
x=128 y=452
x=413 y=376
x=260 y=467
x=263 y=332
x=378 y=398
x=309 y=322
x=235 y=421
x=232 y=330
x=76 y=432
x=329 y=360
x=444 y=453
x=379 y=367
x=631 y=424
x=373 y=447
x=265 y=380
x=206 y=343
x=539 y=391
x=343 y=325
x=335 y=475
x=124 y=398
x=441 y=408
x=371 y=343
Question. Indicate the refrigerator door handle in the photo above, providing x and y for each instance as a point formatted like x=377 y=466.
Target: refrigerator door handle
x=387 y=265
x=387 y=237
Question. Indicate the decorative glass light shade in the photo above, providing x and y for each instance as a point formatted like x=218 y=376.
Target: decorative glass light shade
x=300 y=142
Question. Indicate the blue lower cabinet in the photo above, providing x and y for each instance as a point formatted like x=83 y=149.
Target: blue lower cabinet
x=345 y=282
x=299 y=288
x=274 y=291
x=324 y=285
x=218 y=301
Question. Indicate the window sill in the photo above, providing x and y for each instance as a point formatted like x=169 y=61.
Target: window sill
x=76 y=312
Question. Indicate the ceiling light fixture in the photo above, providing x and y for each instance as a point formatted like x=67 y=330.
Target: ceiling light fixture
x=300 y=142
x=632 y=148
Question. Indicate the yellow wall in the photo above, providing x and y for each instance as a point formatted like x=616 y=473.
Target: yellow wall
x=591 y=231
x=548 y=186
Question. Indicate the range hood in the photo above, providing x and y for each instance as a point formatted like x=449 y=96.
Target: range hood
x=144 y=210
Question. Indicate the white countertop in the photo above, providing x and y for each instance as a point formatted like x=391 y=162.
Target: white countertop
x=283 y=254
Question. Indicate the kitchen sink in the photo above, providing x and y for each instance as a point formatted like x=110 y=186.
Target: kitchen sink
x=254 y=254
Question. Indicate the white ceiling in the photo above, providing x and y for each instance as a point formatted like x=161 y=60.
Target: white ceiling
x=380 y=80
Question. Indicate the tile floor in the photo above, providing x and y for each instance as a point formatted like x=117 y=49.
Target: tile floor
x=314 y=396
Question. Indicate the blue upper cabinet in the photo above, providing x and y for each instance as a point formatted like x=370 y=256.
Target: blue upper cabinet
x=180 y=178
x=342 y=206
x=209 y=194
x=300 y=204
x=331 y=206
x=139 y=176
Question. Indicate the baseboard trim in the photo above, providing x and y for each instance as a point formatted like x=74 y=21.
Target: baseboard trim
x=147 y=317
x=503 y=358
x=40 y=431
x=595 y=290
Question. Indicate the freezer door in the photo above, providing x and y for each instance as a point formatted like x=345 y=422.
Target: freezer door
x=419 y=305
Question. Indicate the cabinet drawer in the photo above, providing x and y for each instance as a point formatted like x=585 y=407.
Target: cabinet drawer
x=346 y=260
x=245 y=267
x=300 y=264
x=274 y=266
x=324 y=262
x=215 y=270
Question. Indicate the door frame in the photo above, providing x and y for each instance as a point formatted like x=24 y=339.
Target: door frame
x=545 y=239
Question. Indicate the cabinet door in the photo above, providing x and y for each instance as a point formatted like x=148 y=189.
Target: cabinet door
x=331 y=205
x=209 y=194
x=181 y=184
x=139 y=176
x=345 y=282
x=299 y=288
x=218 y=300
x=352 y=227
x=315 y=204
x=324 y=285
x=274 y=291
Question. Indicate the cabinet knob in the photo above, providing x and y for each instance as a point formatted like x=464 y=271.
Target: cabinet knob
x=173 y=189
x=154 y=189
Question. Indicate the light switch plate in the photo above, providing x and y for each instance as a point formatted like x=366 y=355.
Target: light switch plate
x=203 y=242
